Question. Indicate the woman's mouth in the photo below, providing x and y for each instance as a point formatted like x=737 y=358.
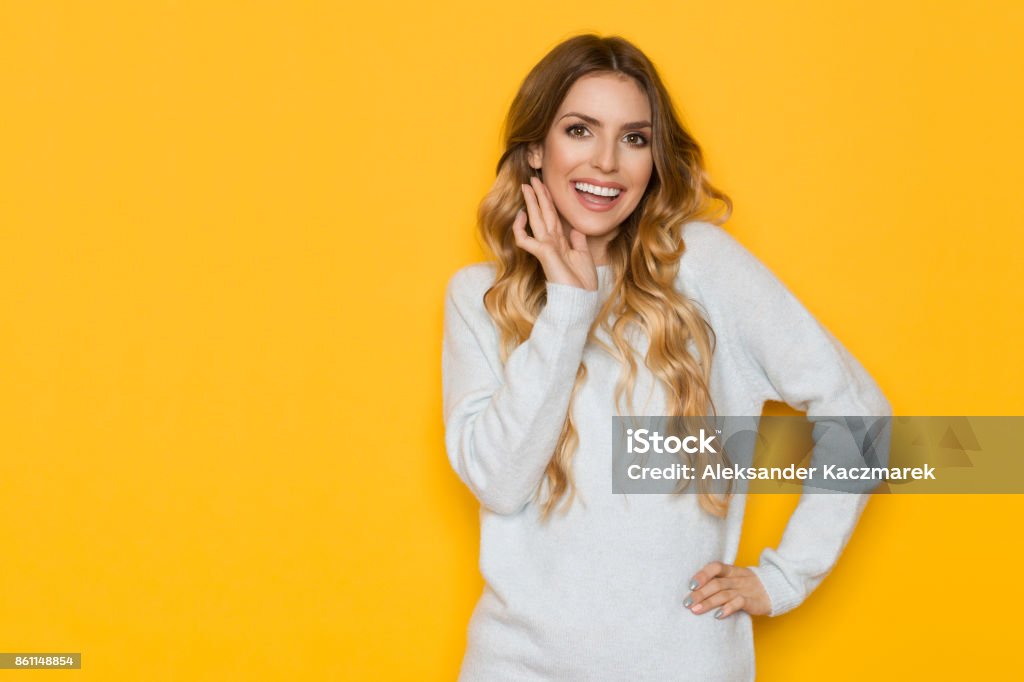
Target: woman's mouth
x=596 y=198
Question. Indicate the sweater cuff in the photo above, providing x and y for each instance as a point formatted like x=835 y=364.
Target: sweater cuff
x=781 y=594
x=569 y=305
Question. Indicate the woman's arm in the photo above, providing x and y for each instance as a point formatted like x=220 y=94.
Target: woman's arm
x=502 y=423
x=790 y=356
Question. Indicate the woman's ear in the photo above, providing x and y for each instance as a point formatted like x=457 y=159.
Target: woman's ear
x=535 y=155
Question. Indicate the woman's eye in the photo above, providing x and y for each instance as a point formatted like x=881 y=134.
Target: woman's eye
x=640 y=140
x=580 y=131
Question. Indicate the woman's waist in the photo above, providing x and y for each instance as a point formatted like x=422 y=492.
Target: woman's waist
x=570 y=639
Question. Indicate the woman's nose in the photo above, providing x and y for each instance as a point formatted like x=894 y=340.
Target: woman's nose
x=605 y=157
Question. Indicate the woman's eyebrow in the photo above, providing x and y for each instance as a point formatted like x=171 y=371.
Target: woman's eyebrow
x=593 y=121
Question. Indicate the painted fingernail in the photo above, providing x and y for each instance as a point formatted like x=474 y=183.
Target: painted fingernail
x=694 y=584
x=687 y=602
x=719 y=613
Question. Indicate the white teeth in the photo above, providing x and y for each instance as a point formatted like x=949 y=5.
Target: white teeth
x=600 y=191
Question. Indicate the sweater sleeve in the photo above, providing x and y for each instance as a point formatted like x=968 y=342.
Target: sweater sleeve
x=502 y=423
x=790 y=356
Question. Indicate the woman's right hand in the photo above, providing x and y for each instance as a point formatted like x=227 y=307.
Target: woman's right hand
x=565 y=261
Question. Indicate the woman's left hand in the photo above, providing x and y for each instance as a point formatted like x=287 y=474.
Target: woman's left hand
x=729 y=589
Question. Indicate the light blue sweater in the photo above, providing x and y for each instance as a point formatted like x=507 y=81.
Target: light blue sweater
x=597 y=594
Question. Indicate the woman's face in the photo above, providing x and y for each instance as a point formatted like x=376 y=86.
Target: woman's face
x=600 y=141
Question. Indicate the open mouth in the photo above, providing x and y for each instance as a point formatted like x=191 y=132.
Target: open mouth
x=597 y=199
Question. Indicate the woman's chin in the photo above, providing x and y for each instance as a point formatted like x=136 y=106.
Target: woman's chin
x=596 y=231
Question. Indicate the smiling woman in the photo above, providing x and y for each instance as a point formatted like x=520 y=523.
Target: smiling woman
x=597 y=170
x=610 y=270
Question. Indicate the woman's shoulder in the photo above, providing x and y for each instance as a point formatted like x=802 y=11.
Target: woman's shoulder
x=715 y=257
x=717 y=269
x=469 y=283
x=710 y=247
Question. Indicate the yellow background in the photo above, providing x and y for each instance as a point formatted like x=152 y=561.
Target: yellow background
x=225 y=233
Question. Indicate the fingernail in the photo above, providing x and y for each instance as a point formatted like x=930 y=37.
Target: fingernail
x=694 y=584
x=719 y=613
x=687 y=602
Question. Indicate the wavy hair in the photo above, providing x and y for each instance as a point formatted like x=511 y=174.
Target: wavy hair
x=643 y=257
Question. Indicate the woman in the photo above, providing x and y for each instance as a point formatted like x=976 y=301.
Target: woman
x=601 y=259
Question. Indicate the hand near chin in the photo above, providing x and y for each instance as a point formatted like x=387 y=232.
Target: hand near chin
x=726 y=589
x=565 y=261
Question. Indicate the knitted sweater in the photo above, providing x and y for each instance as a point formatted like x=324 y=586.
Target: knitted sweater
x=596 y=594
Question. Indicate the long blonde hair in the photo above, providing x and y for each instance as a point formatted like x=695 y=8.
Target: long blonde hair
x=644 y=256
